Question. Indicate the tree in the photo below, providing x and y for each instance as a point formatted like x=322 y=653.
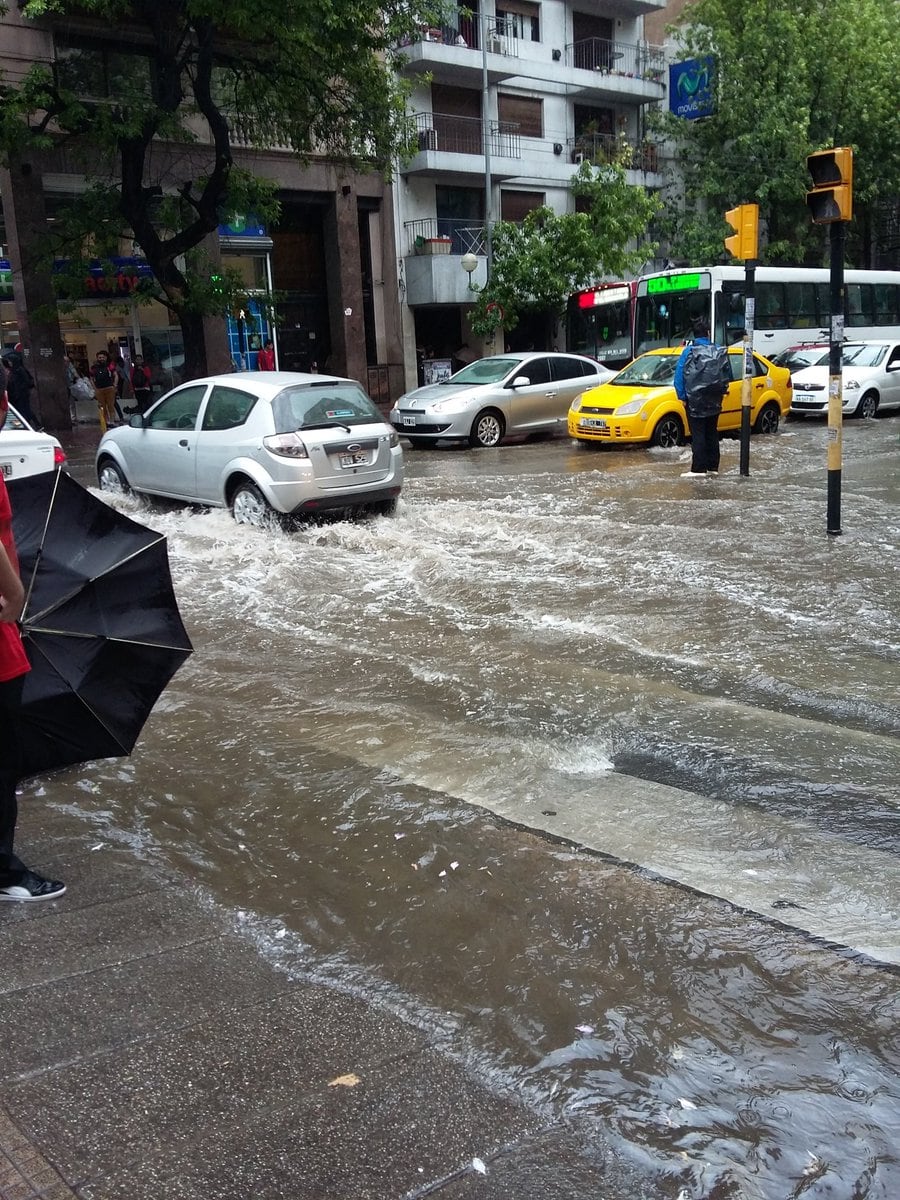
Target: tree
x=155 y=114
x=536 y=265
x=792 y=76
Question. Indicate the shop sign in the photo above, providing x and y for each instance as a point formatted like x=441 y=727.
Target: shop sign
x=6 y=291
x=243 y=225
x=124 y=279
x=691 y=88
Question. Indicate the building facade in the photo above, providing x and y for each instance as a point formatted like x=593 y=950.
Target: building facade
x=508 y=99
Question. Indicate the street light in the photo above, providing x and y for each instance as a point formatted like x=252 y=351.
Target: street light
x=469 y=263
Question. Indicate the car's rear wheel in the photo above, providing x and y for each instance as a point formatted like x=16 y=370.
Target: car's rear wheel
x=868 y=405
x=768 y=419
x=487 y=429
x=248 y=505
x=111 y=478
x=669 y=432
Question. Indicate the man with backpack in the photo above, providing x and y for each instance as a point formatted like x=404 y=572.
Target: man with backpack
x=702 y=378
x=104 y=377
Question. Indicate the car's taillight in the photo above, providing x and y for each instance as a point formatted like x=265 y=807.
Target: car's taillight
x=288 y=445
x=59 y=456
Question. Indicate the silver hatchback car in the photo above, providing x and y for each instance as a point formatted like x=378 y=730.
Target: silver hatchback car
x=496 y=396
x=259 y=442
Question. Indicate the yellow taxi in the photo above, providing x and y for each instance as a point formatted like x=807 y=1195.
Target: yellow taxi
x=639 y=403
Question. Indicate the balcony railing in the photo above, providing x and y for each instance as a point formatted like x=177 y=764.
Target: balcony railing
x=465 y=235
x=602 y=148
x=467 y=34
x=618 y=58
x=451 y=134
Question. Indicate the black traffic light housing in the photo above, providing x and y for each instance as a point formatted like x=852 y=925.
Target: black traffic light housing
x=831 y=198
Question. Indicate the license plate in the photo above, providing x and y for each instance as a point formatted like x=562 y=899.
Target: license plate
x=7 y=469
x=358 y=459
x=409 y=420
x=593 y=422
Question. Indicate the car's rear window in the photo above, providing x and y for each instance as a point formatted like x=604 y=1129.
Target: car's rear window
x=13 y=420
x=322 y=404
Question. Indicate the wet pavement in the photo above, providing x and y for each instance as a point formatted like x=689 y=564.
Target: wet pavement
x=587 y=771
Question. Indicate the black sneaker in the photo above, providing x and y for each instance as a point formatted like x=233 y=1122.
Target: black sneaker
x=32 y=887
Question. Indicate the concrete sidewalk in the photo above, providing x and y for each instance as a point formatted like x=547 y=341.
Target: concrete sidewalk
x=151 y=1053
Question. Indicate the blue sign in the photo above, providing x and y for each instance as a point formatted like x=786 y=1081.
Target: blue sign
x=691 y=88
x=243 y=225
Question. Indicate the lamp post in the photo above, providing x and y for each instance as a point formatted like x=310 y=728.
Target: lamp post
x=486 y=136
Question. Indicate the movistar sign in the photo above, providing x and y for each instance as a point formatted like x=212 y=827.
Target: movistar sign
x=691 y=88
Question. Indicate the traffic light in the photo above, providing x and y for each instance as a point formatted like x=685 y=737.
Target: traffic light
x=831 y=198
x=745 y=241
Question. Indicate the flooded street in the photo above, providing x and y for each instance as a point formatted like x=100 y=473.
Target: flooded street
x=592 y=770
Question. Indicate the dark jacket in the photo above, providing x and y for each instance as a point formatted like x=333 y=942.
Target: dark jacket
x=709 y=404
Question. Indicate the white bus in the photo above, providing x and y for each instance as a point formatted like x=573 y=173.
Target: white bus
x=792 y=306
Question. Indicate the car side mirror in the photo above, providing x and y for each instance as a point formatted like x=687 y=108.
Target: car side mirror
x=520 y=381
x=137 y=421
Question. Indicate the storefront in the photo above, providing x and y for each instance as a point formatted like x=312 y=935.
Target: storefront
x=247 y=253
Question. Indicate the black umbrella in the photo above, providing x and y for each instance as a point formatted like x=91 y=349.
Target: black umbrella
x=101 y=625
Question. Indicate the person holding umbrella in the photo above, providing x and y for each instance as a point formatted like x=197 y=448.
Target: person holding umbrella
x=17 y=882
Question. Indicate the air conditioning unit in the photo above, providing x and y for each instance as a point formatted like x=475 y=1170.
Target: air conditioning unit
x=428 y=139
x=577 y=157
x=495 y=46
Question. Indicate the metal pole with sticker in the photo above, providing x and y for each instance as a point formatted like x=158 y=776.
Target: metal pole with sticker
x=746 y=381
x=835 y=385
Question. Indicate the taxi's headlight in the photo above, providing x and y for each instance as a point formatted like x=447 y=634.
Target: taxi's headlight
x=632 y=407
x=575 y=406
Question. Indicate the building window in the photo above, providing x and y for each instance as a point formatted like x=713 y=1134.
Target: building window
x=96 y=71
x=519 y=19
x=515 y=206
x=522 y=111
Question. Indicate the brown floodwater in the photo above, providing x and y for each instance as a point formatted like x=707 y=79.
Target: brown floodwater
x=694 y=672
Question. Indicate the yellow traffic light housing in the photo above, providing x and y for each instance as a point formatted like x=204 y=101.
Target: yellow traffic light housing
x=831 y=198
x=744 y=220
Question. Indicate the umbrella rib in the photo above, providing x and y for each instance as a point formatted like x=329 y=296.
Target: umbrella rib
x=84 y=704
x=29 y=628
x=60 y=601
x=40 y=550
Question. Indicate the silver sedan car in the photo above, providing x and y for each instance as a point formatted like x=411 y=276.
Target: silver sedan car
x=496 y=396
x=260 y=442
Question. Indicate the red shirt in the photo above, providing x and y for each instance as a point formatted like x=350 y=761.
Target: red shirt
x=13 y=659
x=265 y=360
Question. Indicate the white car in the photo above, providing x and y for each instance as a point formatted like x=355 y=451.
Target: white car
x=26 y=451
x=259 y=442
x=870 y=374
x=503 y=394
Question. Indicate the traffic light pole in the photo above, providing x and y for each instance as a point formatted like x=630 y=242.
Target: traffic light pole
x=835 y=397
x=746 y=387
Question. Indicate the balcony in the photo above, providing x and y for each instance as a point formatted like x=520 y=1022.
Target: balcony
x=452 y=54
x=618 y=68
x=452 y=145
x=462 y=236
x=600 y=148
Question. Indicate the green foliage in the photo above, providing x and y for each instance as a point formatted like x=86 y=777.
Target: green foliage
x=152 y=119
x=793 y=76
x=536 y=265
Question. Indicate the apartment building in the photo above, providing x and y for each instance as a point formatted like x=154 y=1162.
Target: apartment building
x=507 y=100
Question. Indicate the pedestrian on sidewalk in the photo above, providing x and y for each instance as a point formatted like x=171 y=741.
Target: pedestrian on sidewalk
x=140 y=385
x=17 y=882
x=265 y=358
x=19 y=386
x=702 y=378
x=104 y=376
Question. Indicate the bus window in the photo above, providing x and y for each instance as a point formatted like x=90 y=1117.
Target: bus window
x=860 y=305
x=803 y=306
x=887 y=304
x=730 y=316
x=600 y=327
x=667 y=320
x=771 y=308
